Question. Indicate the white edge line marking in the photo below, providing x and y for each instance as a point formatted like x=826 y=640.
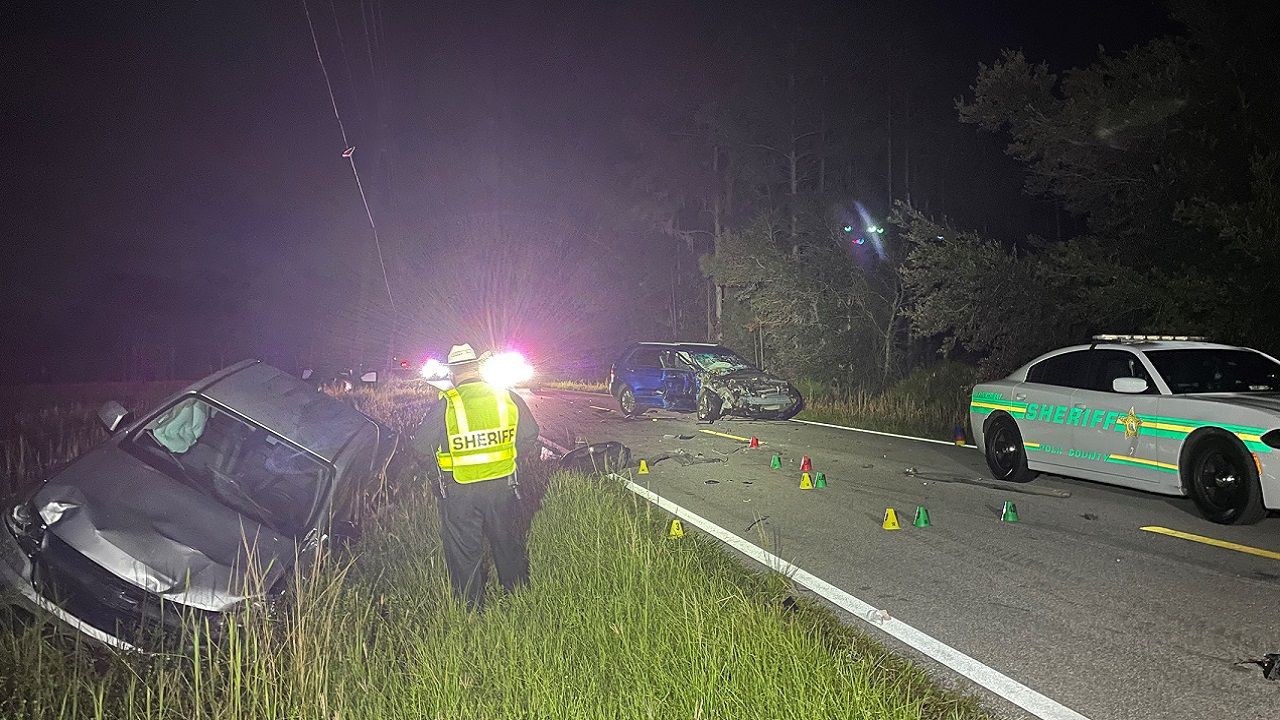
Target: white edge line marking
x=1006 y=687
x=878 y=432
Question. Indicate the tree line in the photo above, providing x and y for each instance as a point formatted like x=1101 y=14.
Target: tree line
x=826 y=249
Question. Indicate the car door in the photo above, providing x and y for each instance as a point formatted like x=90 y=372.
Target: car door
x=1049 y=391
x=1115 y=432
x=642 y=371
x=678 y=382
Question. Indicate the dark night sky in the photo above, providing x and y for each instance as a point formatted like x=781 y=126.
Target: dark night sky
x=190 y=146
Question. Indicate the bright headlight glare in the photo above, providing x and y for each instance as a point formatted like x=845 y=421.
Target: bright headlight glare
x=506 y=370
x=434 y=369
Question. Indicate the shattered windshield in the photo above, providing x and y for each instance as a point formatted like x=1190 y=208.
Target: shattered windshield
x=1209 y=371
x=718 y=360
x=245 y=467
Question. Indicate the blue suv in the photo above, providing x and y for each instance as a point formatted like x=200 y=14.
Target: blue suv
x=705 y=378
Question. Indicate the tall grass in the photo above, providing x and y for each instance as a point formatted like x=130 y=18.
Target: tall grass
x=618 y=622
x=929 y=402
x=591 y=386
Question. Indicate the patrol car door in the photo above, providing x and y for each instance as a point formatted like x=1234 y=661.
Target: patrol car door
x=677 y=381
x=1049 y=392
x=1115 y=430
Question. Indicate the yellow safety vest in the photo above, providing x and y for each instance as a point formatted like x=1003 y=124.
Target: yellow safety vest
x=481 y=422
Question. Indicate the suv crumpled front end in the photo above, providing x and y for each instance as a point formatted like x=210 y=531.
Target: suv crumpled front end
x=750 y=394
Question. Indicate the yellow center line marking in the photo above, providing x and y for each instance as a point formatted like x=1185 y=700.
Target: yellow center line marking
x=739 y=438
x=1270 y=554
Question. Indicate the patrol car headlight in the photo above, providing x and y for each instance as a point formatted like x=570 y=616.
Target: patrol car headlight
x=1272 y=438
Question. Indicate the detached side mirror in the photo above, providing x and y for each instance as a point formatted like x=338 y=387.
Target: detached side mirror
x=112 y=415
x=369 y=377
x=1129 y=385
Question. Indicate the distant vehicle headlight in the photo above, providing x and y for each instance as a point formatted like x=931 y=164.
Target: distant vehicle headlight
x=434 y=370
x=506 y=370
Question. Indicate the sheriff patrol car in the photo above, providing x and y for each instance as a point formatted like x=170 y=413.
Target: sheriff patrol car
x=1168 y=414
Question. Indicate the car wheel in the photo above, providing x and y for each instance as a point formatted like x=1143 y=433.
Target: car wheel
x=627 y=403
x=1006 y=456
x=709 y=406
x=1224 y=483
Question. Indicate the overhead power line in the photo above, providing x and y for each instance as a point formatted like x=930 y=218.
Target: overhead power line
x=349 y=152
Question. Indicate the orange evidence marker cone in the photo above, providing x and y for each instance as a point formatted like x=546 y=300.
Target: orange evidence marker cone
x=805 y=464
x=890 y=520
x=644 y=468
x=755 y=442
x=805 y=482
x=776 y=464
x=922 y=517
x=820 y=481
x=676 y=531
x=1010 y=512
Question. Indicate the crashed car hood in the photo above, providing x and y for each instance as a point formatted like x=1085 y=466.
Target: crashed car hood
x=754 y=379
x=156 y=533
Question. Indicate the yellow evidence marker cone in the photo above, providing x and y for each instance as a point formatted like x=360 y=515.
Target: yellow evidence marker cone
x=805 y=482
x=890 y=520
x=644 y=468
x=676 y=531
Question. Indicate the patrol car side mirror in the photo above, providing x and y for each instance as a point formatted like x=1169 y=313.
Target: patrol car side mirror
x=1129 y=385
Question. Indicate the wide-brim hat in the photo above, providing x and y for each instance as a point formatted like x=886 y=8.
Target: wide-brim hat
x=461 y=356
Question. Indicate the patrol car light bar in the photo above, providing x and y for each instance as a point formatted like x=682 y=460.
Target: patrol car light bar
x=1148 y=338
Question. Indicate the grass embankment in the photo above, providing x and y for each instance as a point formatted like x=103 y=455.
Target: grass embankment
x=619 y=622
x=590 y=386
x=36 y=433
x=929 y=402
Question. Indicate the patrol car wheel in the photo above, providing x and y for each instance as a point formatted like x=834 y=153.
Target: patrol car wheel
x=627 y=403
x=1224 y=483
x=1005 y=453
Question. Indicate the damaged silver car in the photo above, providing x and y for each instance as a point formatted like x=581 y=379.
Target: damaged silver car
x=699 y=377
x=194 y=509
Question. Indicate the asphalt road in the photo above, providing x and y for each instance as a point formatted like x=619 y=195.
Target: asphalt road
x=1074 y=601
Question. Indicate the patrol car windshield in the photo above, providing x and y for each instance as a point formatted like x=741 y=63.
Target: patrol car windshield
x=718 y=360
x=1212 y=371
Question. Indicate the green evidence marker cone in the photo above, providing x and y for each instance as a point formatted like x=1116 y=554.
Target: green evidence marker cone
x=776 y=464
x=820 y=481
x=922 y=517
x=1010 y=513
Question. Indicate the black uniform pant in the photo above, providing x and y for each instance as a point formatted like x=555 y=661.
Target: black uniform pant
x=470 y=513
